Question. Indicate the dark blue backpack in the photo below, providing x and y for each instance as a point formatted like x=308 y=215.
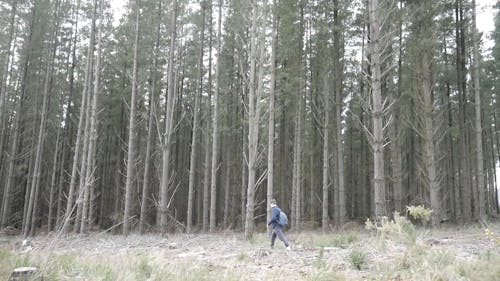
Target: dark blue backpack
x=283 y=220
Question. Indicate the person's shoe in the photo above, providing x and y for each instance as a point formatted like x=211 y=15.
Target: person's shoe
x=288 y=248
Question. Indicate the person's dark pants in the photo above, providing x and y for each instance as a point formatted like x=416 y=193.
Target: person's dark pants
x=277 y=231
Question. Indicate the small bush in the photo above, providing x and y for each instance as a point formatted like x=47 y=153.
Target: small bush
x=144 y=269
x=357 y=258
x=419 y=213
x=399 y=230
x=320 y=262
x=491 y=235
x=65 y=263
x=242 y=256
x=5 y=264
x=100 y=271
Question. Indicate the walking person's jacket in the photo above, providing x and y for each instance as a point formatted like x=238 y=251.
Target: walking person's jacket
x=275 y=217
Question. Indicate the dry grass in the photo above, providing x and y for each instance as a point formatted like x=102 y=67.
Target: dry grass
x=339 y=240
x=408 y=253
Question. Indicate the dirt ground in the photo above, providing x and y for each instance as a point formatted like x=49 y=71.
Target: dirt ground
x=356 y=254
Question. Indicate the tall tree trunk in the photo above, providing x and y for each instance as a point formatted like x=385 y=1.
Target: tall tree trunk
x=117 y=181
x=165 y=176
x=477 y=105
x=70 y=204
x=86 y=131
x=149 y=139
x=395 y=135
x=297 y=150
x=3 y=82
x=53 y=178
x=29 y=227
x=68 y=125
x=17 y=122
x=492 y=175
x=90 y=178
x=338 y=67
x=131 y=130
x=313 y=131
x=496 y=160
x=244 y=165
x=428 y=138
x=453 y=190
x=464 y=173
x=376 y=49
x=61 y=183
x=227 y=182
x=270 y=142
x=196 y=122
x=254 y=96
x=326 y=152
x=364 y=181
x=5 y=211
x=207 y=160
x=206 y=177
x=215 y=127
x=31 y=158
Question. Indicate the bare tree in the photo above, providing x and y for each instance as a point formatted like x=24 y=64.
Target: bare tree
x=5 y=211
x=91 y=168
x=53 y=177
x=165 y=176
x=395 y=132
x=339 y=71
x=479 y=131
x=149 y=139
x=465 y=181
x=29 y=223
x=131 y=134
x=326 y=153
x=86 y=131
x=270 y=144
x=215 y=127
x=254 y=106
x=422 y=48
x=196 y=121
x=68 y=127
x=78 y=143
x=4 y=79
x=425 y=51
x=298 y=131
x=376 y=47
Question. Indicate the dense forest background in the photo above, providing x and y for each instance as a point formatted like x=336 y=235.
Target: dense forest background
x=191 y=115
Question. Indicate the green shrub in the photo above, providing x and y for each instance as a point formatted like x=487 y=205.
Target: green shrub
x=320 y=262
x=144 y=269
x=5 y=264
x=399 y=230
x=357 y=258
x=492 y=236
x=419 y=213
x=242 y=256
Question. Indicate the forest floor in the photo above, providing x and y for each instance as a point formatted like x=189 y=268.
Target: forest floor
x=392 y=251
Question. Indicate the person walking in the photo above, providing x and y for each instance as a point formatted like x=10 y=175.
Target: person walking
x=278 y=220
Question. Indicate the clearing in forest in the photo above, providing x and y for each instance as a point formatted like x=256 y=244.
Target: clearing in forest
x=394 y=250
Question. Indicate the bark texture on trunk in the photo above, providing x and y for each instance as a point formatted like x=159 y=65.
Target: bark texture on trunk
x=166 y=149
x=374 y=46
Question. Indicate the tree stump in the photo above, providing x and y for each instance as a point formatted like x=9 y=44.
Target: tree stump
x=22 y=274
